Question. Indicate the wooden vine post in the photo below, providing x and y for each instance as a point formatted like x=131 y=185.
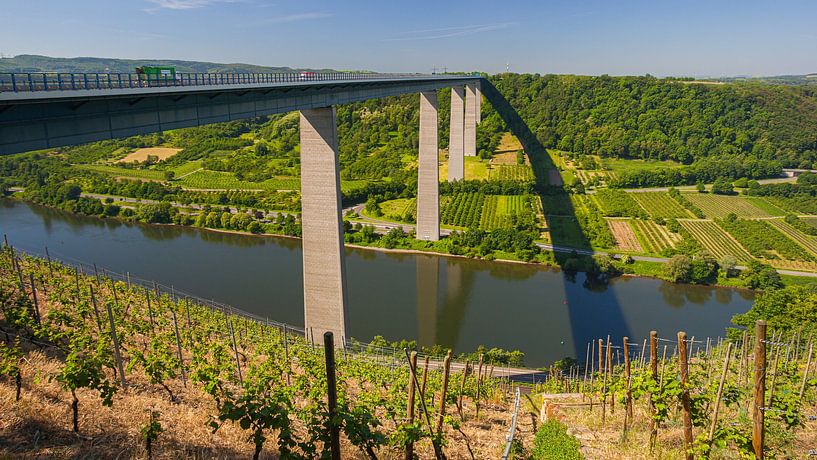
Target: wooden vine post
x=462 y=389
x=628 y=403
x=479 y=376
x=610 y=371
x=331 y=392
x=805 y=372
x=686 y=404
x=179 y=348
x=235 y=350
x=116 y=351
x=654 y=377
x=410 y=403
x=444 y=391
x=720 y=393
x=759 y=389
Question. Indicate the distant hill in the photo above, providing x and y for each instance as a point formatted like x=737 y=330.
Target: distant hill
x=809 y=79
x=35 y=63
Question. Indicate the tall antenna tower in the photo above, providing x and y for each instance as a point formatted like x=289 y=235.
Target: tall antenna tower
x=508 y=67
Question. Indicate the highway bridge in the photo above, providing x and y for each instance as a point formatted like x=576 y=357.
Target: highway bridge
x=49 y=110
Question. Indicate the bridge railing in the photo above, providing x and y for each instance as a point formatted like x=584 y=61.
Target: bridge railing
x=56 y=81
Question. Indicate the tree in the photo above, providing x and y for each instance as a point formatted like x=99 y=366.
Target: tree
x=156 y=213
x=700 y=187
x=722 y=186
x=728 y=264
x=679 y=269
x=373 y=207
x=761 y=276
x=704 y=267
x=255 y=227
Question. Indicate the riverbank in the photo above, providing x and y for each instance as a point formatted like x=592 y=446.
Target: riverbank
x=456 y=302
x=642 y=267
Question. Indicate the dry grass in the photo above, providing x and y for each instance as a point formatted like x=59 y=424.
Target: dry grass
x=39 y=425
x=163 y=153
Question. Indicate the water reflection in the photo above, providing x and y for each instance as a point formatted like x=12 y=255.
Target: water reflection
x=455 y=302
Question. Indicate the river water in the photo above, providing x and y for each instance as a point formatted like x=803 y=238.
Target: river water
x=458 y=303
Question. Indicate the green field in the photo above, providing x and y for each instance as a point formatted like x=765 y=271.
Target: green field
x=660 y=204
x=144 y=174
x=462 y=210
x=511 y=173
x=719 y=206
x=621 y=165
x=223 y=180
x=653 y=237
x=566 y=231
x=498 y=211
x=715 y=240
x=808 y=242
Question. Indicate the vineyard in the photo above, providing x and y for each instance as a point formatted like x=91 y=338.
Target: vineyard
x=654 y=238
x=106 y=368
x=715 y=240
x=618 y=203
x=463 y=210
x=143 y=174
x=749 y=397
x=763 y=240
x=213 y=180
x=498 y=211
x=660 y=204
x=719 y=206
x=626 y=239
x=806 y=241
x=519 y=173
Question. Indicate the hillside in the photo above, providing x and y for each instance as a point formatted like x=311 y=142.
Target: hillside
x=648 y=118
x=35 y=63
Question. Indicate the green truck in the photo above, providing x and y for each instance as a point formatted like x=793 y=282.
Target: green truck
x=159 y=74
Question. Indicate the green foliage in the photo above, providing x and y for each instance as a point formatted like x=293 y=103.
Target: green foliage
x=553 y=443
x=763 y=240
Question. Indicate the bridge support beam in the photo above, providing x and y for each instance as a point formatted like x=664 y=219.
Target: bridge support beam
x=325 y=301
x=428 y=180
x=479 y=103
x=456 y=168
x=470 y=120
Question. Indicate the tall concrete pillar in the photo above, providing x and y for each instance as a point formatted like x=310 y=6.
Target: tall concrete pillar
x=470 y=120
x=428 y=181
x=479 y=103
x=456 y=168
x=325 y=302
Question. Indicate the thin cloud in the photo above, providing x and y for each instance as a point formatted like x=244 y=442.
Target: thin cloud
x=449 y=32
x=182 y=4
x=295 y=17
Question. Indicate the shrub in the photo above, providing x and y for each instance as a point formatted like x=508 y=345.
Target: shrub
x=553 y=442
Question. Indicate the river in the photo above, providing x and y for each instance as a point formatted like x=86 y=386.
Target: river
x=454 y=302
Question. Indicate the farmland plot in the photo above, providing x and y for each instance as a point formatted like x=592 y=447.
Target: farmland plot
x=660 y=204
x=719 y=206
x=464 y=210
x=498 y=211
x=626 y=239
x=715 y=240
x=763 y=240
x=653 y=237
x=806 y=241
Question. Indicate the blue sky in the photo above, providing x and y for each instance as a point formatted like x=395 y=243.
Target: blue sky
x=624 y=37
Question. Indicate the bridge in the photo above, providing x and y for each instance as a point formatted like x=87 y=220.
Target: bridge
x=48 y=110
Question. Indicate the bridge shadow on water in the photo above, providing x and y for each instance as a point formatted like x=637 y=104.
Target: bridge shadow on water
x=588 y=316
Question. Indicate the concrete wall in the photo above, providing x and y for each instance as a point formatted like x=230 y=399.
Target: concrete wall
x=456 y=168
x=428 y=181
x=325 y=302
x=470 y=120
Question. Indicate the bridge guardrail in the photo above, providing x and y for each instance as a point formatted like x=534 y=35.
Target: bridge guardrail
x=57 y=81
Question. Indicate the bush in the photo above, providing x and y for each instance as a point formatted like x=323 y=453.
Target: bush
x=553 y=442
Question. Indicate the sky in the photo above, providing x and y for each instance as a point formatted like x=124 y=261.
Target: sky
x=615 y=37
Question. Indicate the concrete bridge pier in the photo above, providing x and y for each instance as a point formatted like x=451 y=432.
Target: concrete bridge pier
x=479 y=103
x=470 y=120
x=325 y=301
x=428 y=171
x=456 y=168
